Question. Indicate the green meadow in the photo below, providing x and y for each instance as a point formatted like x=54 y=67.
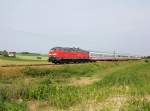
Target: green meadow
x=100 y=86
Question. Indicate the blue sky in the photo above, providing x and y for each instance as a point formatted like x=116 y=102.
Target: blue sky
x=103 y=25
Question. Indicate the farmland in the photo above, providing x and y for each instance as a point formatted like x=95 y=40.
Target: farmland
x=23 y=59
x=101 y=86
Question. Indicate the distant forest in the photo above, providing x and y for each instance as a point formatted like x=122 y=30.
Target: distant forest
x=29 y=53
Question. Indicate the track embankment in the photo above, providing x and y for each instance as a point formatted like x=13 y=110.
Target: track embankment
x=23 y=65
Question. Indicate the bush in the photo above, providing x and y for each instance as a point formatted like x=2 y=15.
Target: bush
x=5 y=53
x=65 y=71
x=146 y=61
x=12 y=106
x=52 y=73
x=39 y=58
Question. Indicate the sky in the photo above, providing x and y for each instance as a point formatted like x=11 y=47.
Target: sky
x=99 y=25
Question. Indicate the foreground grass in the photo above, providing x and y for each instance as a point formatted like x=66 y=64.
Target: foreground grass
x=126 y=80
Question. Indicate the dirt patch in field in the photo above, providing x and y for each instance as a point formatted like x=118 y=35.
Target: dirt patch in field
x=83 y=81
x=116 y=102
x=10 y=71
x=39 y=106
x=148 y=98
x=32 y=105
x=113 y=103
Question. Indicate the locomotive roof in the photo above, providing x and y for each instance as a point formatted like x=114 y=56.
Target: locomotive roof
x=68 y=49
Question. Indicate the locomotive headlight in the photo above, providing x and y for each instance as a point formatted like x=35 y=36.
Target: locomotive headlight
x=53 y=54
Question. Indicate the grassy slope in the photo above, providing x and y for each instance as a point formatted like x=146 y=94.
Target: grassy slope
x=118 y=85
x=24 y=57
x=31 y=57
x=21 y=59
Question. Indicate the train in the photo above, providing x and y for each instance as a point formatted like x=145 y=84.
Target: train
x=61 y=55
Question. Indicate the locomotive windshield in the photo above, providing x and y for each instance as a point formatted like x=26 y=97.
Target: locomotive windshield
x=67 y=49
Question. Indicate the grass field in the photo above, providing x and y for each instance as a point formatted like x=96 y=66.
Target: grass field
x=101 y=86
x=31 y=57
x=23 y=59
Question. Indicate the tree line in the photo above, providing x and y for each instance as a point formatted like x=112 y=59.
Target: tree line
x=7 y=54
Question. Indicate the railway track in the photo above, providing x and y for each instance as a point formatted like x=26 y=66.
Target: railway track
x=24 y=65
x=48 y=64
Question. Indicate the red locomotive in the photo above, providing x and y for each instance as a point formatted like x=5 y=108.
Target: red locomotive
x=76 y=55
x=68 y=55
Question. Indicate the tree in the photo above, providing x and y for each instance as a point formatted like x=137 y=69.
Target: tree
x=1 y=52
x=5 y=53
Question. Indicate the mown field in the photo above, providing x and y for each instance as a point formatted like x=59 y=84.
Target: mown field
x=101 y=86
x=31 y=57
x=23 y=59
